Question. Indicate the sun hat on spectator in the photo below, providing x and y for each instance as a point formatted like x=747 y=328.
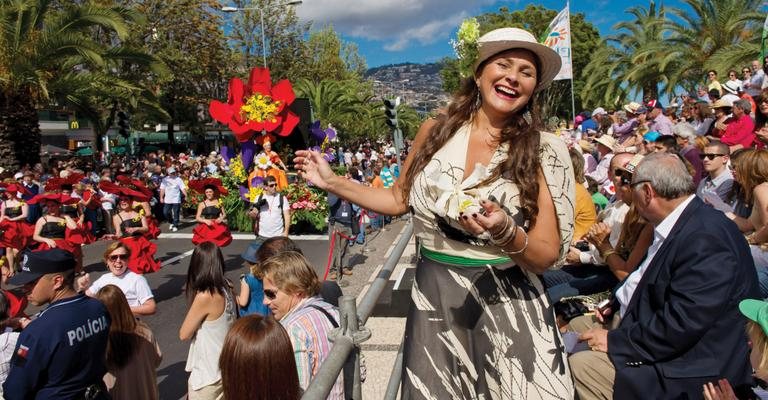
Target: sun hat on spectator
x=250 y=253
x=598 y=111
x=607 y=141
x=731 y=87
x=586 y=146
x=757 y=311
x=171 y=170
x=632 y=164
x=722 y=103
x=651 y=136
x=503 y=39
x=18 y=175
x=632 y=107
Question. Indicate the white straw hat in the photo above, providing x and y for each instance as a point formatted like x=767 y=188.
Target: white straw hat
x=498 y=40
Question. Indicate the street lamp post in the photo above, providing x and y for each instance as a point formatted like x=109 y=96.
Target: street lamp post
x=261 y=18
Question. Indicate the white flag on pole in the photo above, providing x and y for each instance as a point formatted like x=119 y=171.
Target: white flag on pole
x=559 y=39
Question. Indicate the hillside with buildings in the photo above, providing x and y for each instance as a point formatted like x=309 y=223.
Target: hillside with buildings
x=419 y=85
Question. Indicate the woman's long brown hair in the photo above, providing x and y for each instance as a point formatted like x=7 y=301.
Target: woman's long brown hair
x=257 y=361
x=522 y=164
x=123 y=340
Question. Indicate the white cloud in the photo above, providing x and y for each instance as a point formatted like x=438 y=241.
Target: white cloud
x=400 y=23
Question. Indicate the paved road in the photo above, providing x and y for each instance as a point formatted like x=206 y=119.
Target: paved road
x=167 y=286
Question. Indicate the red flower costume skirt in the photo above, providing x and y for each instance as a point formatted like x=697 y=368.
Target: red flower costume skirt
x=16 y=234
x=81 y=235
x=143 y=251
x=153 y=231
x=218 y=233
x=72 y=243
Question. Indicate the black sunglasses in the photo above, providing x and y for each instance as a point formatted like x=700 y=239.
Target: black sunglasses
x=710 y=156
x=271 y=184
x=270 y=294
x=115 y=257
x=625 y=176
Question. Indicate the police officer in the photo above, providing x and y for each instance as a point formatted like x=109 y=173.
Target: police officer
x=61 y=353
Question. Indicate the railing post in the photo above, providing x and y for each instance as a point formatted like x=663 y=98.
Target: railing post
x=352 y=383
x=395 y=377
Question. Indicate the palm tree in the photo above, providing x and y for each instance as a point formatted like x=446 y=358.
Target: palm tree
x=718 y=34
x=38 y=41
x=624 y=63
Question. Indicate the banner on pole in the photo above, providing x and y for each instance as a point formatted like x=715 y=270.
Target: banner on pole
x=559 y=40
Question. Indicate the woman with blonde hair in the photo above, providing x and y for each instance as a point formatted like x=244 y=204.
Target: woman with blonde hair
x=133 y=353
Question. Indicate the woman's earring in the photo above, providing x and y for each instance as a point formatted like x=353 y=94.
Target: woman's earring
x=478 y=101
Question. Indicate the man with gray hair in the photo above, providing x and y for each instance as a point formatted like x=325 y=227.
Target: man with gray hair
x=679 y=314
x=685 y=135
x=740 y=133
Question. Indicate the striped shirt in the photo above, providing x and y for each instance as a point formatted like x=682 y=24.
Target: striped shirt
x=308 y=329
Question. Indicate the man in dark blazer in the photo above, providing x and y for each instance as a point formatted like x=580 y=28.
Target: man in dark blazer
x=681 y=326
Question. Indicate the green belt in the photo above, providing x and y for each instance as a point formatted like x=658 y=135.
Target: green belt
x=459 y=260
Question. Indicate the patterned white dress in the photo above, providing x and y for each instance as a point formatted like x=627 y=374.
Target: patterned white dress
x=480 y=327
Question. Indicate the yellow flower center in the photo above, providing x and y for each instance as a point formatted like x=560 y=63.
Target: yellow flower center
x=260 y=108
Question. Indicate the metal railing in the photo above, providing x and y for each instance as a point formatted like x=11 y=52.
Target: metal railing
x=351 y=332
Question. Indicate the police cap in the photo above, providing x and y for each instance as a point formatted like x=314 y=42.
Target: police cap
x=38 y=263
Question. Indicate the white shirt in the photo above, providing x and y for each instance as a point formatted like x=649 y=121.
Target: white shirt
x=133 y=285
x=107 y=200
x=613 y=216
x=660 y=232
x=172 y=188
x=271 y=222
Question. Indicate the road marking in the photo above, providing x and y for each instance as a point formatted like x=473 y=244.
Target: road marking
x=242 y=236
x=177 y=258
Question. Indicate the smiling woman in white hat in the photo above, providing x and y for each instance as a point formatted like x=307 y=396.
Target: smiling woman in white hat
x=492 y=198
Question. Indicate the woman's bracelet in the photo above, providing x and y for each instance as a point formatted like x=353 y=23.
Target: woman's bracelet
x=607 y=254
x=505 y=235
x=521 y=250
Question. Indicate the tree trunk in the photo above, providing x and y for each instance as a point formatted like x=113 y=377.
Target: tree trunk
x=19 y=131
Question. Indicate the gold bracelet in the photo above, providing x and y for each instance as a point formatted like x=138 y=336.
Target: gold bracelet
x=512 y=253
x=608 y=254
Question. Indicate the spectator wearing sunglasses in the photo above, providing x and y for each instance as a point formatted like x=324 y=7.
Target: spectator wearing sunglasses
x=685 y=134
x=271 y=211
x=134 y=286
x=719 y=179
x=292 y=293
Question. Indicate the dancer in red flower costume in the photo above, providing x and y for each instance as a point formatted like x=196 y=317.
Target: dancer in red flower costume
x=65 y=186
x=15 y=232
x=130 y=227
x=142 y=207
x=56 y=230
x=210 y=213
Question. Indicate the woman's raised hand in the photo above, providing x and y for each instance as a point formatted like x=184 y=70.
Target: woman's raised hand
x=313 y=167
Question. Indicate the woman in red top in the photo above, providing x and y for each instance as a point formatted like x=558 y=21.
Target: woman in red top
x=740 y=133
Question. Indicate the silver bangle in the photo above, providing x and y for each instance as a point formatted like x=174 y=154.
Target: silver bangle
x=516 y=252
x=507 y=233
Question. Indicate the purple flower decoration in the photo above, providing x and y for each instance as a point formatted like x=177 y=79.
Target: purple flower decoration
x=244 y=193
x=247 y=149
x=322 y=137
x=227 y=153
x=257 y=181
x=327 y=154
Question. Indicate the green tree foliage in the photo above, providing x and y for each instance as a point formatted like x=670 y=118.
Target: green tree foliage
x=665 y=50
x=622 y=65
x=46 y=46
x=717 y=34
x=282 y=30
x=326 y=56
x=187 y=36
x=535 y=18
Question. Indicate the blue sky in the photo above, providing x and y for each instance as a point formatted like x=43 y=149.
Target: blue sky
x=396 y=31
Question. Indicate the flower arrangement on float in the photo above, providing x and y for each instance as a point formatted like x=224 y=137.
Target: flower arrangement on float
x=253 y=111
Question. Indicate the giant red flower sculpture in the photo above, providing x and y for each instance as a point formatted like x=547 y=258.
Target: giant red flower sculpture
x=258 y=107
